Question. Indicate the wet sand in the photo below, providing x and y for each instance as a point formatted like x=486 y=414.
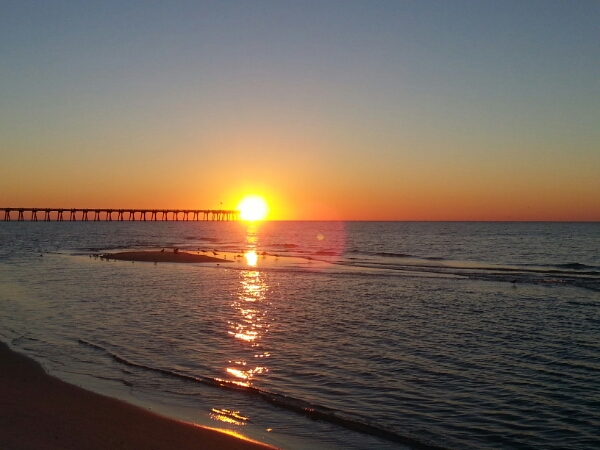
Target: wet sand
x=40 y=412
x=166 y=256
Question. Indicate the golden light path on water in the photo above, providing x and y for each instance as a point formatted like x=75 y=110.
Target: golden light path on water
x=249 y=320
x=247 y=326
x=251 y=309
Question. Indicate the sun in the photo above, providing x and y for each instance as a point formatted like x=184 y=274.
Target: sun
x=252 y=208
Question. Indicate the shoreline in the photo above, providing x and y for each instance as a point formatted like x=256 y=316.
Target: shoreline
x=38 y=411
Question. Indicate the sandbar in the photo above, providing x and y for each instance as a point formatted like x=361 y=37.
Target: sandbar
x=166 y=256
x=40 y=412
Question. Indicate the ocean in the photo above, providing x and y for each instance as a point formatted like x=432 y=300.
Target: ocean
x=353 y=335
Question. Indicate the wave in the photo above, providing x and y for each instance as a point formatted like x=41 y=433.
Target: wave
x=549 y=275
x=392 y=255
x=24 y=337
x=582 y=269
x=572 y=269
x=575 y=266
x=585 y=304
x=203 y=239
x=310 y=410
x=566 y=266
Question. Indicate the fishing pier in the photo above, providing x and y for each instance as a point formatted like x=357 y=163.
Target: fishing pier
x=95 y=215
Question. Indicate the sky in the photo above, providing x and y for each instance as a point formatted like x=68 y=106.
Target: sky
x=331 y=110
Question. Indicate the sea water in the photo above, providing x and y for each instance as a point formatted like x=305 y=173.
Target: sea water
x=323 y=334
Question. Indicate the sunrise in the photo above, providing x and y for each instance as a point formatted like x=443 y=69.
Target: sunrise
x=299 y=225
x=253 y=208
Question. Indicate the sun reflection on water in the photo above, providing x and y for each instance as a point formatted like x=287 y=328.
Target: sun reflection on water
x=227 y=416
x=251 y=258
x=249 y=323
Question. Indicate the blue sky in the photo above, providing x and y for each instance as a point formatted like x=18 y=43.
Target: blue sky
x=457 y=107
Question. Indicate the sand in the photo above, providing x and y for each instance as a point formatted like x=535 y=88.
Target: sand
x=40 y=412
x=166 y=256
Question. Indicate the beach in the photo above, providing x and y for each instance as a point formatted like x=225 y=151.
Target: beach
x=38 y=411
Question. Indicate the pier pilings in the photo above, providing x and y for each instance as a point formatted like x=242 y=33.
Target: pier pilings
x=81 y=214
